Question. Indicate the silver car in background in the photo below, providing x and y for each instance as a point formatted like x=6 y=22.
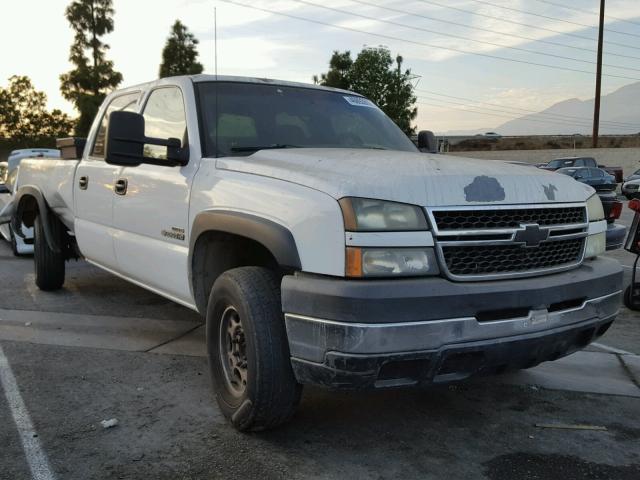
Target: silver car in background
x=9 y=179
x=631 y=189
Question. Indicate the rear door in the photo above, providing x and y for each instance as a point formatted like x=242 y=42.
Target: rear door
x=93 y=190
x=151 y=217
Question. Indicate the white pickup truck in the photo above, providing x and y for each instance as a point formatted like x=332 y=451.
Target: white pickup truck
x=320 y=245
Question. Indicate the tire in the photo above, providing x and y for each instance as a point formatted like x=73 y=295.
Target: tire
x=14 y=243
x=245 y=326
x=49 y=265
x=628 y=300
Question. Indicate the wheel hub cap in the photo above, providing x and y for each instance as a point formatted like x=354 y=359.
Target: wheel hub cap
x=233 y=351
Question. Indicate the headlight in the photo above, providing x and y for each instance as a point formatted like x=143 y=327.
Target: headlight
x=595 y=211
x=367 y=215
x=390 y=262
x=596 y=245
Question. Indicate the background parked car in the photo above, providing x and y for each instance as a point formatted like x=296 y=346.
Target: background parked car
x=567 y=162
x=631 y=189
x=19 y=246
x=596 y=177
x=634 y=176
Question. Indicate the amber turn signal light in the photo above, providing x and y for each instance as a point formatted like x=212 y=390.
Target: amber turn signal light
x=353 y=267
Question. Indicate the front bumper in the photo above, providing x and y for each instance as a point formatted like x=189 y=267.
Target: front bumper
x=382 y=333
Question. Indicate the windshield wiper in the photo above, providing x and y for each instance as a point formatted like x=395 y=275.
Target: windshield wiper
x=263 y=147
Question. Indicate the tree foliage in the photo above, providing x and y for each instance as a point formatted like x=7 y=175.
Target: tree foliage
x=180 y=53
x=24 y=117
x=374 y=75
x=93 y=76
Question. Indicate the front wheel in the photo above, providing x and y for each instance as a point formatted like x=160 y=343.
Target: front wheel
x=248 y=352
x=49 y=265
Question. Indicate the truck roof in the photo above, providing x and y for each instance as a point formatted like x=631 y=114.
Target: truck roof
x=233 y=78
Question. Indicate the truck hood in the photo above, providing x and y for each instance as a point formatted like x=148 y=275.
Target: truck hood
x=416 y=178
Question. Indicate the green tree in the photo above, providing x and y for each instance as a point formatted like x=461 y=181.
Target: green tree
x=374 y=75
x=339 y=69
x=93 y=76
x=180 y=54
x=24 y=117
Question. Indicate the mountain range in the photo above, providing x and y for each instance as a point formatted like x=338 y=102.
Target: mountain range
x=620 y=114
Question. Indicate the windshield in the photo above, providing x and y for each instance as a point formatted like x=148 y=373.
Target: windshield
x=561 y=163
x=241 y=118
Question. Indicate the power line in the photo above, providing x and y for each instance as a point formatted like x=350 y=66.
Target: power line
x=528 y=25
x=482 y=29
x=523 y=110
x=548 y=17
x=460 y=37
x=587 y=11
x=422 y=44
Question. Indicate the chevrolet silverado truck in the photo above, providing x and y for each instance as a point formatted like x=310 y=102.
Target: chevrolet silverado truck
x=319 y=244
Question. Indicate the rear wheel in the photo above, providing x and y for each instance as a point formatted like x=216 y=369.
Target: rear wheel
x=49 y=265
x=248 y=351
x=14 y=243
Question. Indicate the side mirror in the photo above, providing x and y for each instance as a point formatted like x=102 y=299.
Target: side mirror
x=4 y=188
x=427 y=142
x=126 y=141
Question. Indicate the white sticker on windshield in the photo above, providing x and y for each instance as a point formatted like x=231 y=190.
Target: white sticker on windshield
x=360 y=102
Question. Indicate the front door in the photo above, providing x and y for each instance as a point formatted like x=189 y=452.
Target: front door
x=151 y=211
x=93 y=191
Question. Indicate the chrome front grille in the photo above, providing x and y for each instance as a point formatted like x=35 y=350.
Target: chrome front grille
x=485 y=243
x=499 y=259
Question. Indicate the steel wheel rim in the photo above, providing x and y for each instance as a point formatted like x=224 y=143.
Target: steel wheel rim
x=233 y=352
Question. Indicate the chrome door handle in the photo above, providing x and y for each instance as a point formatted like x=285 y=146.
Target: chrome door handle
x=121 y=187
x=83 y=183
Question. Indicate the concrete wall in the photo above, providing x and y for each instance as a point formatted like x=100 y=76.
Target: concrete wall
x=627 y=158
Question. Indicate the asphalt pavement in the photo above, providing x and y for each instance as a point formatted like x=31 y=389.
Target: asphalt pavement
x=103 y=349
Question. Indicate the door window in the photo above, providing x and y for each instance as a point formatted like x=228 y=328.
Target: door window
x=165 y=118
x=128 y=103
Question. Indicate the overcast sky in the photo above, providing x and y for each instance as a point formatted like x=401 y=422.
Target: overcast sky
x=35 y=39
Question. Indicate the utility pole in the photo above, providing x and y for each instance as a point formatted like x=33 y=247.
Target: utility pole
x=596 y=112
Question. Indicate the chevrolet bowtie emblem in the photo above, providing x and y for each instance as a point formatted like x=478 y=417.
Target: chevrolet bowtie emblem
x=531 y=235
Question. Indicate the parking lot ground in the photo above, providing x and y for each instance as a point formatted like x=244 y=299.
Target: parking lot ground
x=170 y=428
x=102 y=348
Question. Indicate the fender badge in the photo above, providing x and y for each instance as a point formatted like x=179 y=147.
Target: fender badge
x=175 y=233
